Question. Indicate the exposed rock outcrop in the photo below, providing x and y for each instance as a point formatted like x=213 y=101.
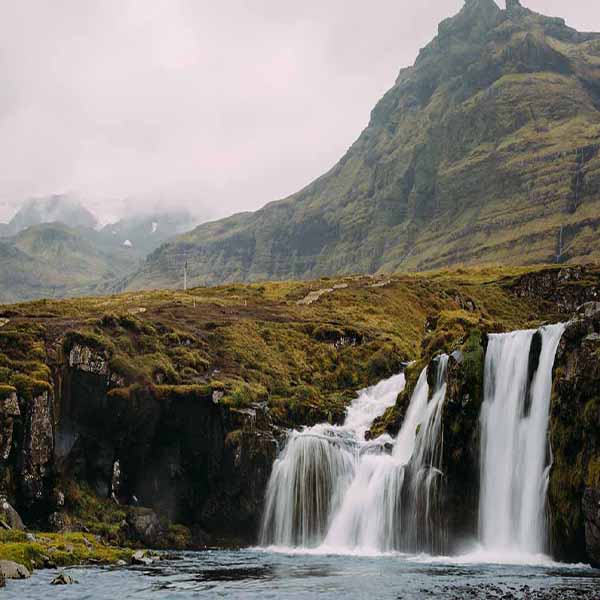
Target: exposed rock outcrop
x=567 y=288
x=9 y=410
x=179 y=453
x=37 y=450
x=575 y=437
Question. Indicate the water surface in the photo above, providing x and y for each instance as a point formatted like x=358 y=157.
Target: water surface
x=256 y=574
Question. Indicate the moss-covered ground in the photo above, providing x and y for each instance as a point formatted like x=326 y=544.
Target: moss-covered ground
x=259 y=342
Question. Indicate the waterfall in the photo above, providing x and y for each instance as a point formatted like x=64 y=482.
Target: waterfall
x=515 y=462
x=331 y=489
x=316 y=467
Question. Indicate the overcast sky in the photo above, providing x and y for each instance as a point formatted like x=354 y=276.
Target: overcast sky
x=219 y=105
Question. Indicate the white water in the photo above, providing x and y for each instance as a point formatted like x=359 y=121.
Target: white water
x=334 y=491
x=515 y=462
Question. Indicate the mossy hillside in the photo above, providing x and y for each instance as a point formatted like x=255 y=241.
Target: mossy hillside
x=256 y=343
x=479 y=154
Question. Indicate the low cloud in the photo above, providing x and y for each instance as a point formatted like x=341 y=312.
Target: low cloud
x=216 y=106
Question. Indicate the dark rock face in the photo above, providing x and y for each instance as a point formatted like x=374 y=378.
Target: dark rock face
x=464 y=397
x=26 y=451
x=144 y=526
x=591 y=512
x=184 y=456
x=37 y=451
x=9 y=410
x=575 y=437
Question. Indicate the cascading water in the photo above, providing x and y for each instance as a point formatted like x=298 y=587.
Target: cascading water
x=315 y=469
x=332 y=489
x=514 y=446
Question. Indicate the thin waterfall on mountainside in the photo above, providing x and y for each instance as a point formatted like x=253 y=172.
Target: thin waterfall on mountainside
x=515 y=463
x=330 y=488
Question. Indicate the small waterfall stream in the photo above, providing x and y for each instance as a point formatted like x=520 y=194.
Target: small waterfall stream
x=332 y=489
x=515 y=462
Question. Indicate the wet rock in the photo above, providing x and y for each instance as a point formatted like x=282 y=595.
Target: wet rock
x=63 y=579
x=457 y=356
x=10 y=517
x=144 y=526
x=143 y=558
x=2 y=580
x=13 y=570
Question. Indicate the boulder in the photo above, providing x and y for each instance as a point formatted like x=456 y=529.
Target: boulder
x=2 y=580
x=10 y=517
x=63 y=579
x=143 y=558
x=13 y=570
x=144 y=526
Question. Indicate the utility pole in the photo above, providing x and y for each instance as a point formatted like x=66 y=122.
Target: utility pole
x=560 y=245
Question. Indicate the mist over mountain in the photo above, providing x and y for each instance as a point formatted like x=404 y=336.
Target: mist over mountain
x=56 y=208
x=484 y=151
x=54 y=247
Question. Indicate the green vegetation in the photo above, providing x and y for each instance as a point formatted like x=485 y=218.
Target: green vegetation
x=60 y=550
x=259 y=343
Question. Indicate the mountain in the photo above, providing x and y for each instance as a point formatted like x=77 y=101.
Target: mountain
x=144 y=233
x=486 y=150
x=53 y=260
x=72 y=257
x=56 y=208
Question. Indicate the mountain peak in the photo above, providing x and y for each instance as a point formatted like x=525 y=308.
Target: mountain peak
x=56 y=208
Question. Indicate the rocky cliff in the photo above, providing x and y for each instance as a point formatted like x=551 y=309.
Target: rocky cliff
x=127 y=414
x=484 y=151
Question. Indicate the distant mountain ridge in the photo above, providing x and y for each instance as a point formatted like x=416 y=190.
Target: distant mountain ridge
x=53 y=248
x=486 y=150
x=58 y=208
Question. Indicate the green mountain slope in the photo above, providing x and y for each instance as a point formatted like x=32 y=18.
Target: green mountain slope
x=482 y=152
x=53 y=260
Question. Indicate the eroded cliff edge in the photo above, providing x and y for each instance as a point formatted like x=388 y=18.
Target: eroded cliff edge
x=127 y=415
